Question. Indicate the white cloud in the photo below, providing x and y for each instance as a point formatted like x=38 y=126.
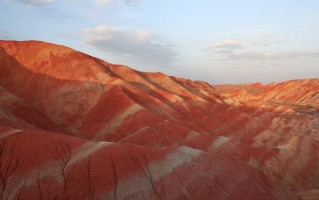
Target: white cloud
x=140 y=45
x=269 y=55
x=226 y=44
x=128 y=2
x=132 y=2
x=263 y=39
x=34 y=2
x=104 y=2
x=257 y=55
x=240 y=42
x=253 y=48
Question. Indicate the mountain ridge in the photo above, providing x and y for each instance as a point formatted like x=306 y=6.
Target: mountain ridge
x=158 y=136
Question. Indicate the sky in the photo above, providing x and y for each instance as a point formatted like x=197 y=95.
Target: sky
x=218 y=41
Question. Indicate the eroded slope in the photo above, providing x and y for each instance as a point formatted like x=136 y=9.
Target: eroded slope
x=74 y=126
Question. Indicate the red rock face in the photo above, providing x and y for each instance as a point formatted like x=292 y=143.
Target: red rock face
x=75 y=127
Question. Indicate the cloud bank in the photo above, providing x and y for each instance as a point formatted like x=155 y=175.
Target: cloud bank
x=254 y=55
x=140 y=45
x=128 y=2
x=103 y=2
x=226 y=44
x=235 y=49
x=33 y=2
x=132 y=2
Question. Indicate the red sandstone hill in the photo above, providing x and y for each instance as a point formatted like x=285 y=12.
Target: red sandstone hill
x=75 y=127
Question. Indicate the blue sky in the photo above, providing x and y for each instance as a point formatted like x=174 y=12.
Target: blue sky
x=219 y=41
